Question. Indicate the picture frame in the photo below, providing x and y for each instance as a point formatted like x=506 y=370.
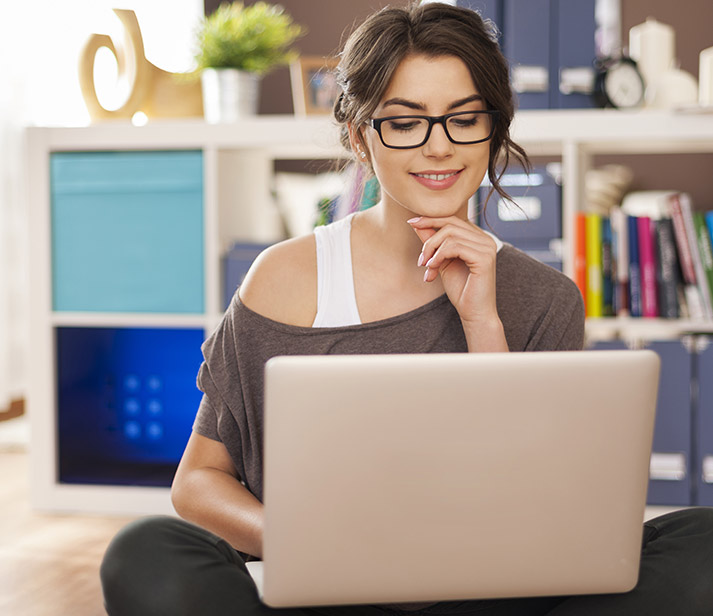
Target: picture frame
x=314 y=85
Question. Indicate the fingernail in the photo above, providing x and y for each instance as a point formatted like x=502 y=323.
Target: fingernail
x=425 y=276
x=420 y=259
x=412 y=221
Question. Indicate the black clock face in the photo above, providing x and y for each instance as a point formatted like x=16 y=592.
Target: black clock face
x=623 y=85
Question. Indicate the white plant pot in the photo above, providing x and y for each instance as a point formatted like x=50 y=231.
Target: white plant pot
x=229 y=94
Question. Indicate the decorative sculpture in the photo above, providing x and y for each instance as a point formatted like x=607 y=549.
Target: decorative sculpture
x=155 y=92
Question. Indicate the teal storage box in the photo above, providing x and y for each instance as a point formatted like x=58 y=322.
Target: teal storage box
x=127 y=231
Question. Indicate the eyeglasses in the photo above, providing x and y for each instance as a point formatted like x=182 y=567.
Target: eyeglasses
x=412 y=131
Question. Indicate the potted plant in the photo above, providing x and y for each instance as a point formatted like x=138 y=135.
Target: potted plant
x=237 y=45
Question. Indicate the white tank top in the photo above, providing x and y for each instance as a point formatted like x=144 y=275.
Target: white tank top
x=336 y=301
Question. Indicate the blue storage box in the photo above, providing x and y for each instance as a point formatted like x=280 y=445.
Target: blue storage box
x=236 y=265
x=126 y=401
x=670 y=478
x=535 y=221
x=127 y=231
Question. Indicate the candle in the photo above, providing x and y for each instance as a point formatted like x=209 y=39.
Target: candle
x=705 y=77
x=652 y=45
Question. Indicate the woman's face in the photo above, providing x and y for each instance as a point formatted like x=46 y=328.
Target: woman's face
x=437 y=178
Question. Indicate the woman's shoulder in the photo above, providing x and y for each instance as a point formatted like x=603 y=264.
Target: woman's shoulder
x=517 y=269
x=282 y=282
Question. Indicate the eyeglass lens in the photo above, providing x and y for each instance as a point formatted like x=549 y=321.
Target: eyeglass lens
x=406 y=131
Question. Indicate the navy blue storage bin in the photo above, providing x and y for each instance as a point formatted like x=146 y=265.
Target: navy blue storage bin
x=236 y=265
x=670 y=477
x=534 y=222
x=126 y=401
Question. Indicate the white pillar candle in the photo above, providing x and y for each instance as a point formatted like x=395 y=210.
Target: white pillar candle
x=705 y=78
x=652 y=45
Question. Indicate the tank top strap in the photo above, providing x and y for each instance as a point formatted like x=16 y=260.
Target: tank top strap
x=336 y=301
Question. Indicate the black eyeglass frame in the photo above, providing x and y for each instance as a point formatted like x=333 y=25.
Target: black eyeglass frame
x=376 y=123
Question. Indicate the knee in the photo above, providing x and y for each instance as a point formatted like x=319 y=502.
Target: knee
x=694 y=522
x=134 y=566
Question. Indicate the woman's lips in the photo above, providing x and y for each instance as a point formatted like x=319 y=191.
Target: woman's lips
x=437 y=180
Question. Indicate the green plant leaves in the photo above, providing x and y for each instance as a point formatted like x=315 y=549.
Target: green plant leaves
x=256 y=38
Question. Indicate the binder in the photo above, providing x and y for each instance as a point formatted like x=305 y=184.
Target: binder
x=572 y=69
x=703 y=416
x=527 y=26
x=671 y=461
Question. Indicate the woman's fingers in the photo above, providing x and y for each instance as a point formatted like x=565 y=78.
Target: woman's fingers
x=453 y=233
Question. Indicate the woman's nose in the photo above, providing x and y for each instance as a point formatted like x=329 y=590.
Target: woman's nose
x=438 y=144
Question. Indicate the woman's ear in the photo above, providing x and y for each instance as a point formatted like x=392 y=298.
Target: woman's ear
x=356 y=141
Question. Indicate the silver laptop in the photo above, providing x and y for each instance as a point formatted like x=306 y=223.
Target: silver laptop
x=402 y=478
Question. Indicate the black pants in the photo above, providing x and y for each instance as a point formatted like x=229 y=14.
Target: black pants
x=163 y=566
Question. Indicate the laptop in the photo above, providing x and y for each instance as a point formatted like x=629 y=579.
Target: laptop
x=409 y=478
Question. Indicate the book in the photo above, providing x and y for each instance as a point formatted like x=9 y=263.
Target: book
x=702 y=283
x=685 y=256
x=634 y=270
x=593 y=241
x=691 y=292
x=704 y=248
x=667 y=270
x=709 y=222
x=580 y=254
x=647 y=265
x=620 y=261
x=607 y=269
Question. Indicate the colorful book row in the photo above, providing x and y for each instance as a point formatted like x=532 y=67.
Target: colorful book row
x=658 y=263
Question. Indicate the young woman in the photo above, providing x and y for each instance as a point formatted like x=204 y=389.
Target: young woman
x=426 y=106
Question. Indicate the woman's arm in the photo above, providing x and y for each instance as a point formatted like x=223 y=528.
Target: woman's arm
x=207 y=492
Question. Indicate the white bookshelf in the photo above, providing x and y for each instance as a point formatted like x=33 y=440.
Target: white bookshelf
x=238 y=164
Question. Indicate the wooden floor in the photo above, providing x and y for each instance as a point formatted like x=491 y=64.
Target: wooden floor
x=49 y=564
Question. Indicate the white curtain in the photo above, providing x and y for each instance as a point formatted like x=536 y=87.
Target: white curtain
x=40 y=43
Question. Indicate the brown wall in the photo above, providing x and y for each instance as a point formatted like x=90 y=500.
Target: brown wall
x=693 y=23
x=328 y=20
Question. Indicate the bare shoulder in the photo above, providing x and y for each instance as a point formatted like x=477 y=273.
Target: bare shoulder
x=282 y=282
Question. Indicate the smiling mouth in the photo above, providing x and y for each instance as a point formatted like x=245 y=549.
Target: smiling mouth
x=436 y=176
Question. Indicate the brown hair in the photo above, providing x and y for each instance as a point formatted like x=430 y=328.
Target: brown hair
x=376 y=48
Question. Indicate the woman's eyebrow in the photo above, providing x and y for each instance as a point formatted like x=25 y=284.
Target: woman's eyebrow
x=404 y=103
x=421 y=107
x=464 y=101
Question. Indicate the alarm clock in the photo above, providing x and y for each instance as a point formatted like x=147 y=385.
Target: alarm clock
x=619 y=83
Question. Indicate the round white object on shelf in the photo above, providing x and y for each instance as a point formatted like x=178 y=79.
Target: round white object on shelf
x=674 y=88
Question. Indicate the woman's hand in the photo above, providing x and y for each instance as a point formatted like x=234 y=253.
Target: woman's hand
x=465 y=258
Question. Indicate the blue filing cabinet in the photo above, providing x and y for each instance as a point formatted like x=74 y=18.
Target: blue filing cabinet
x=672 y=459
x=127 y=237
x=704 y=421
